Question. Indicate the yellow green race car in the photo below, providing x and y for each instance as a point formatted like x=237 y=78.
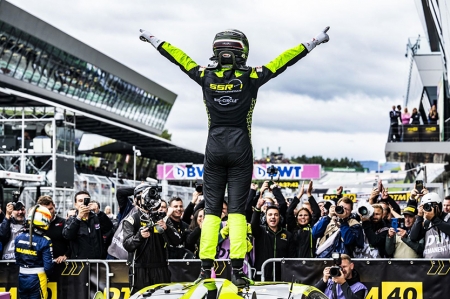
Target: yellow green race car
x=217 y=288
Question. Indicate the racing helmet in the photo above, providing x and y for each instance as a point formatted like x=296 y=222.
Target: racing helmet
x=41 y=217
x=234 y=41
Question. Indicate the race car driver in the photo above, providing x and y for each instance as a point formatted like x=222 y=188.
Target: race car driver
x=229 y=93
x=34 y=255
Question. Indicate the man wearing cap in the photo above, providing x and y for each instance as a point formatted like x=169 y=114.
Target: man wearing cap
x=398 y=243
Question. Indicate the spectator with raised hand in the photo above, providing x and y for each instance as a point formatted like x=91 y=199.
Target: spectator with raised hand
x=189 y=210
x=84 y=230
x=433 y=224
x=11 y=226
x=300 y=225
x=271 y=240
x=398 y=242
x=252 y=199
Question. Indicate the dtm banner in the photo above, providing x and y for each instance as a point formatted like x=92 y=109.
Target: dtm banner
x=385 y=279
x=286 y=172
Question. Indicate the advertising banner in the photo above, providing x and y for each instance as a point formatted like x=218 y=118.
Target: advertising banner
x=384 y=279
x=286 y=172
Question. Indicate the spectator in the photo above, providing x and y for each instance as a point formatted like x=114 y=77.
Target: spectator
x=195 y=232
x=189 y=210
x=126 y=208
x=300 y=225
x=415 y=117
x=338 y=232
x=375 y=232
x=345 y=286
x=61 y=248
x=146 y=241
x=271 y=240
x=446 y=205
x=10 y=227
x=433 y=116
x=398 y=243
x=394 y=134
x=163 y=208
x=109 y=213
x=106 y=225
x=406 y=117
x=175 y=211
x=84 y=231
x=435 y=228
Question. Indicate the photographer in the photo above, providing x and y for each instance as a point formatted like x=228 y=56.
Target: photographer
x=11 y=226
x=339 y=231
x=84 y=230
x=146 y=237
x=345 y=284
x=398 y=242
x=375 y=230
x=435 y=228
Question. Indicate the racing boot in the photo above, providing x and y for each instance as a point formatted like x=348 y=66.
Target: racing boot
x=239 y=278
x=204 y=274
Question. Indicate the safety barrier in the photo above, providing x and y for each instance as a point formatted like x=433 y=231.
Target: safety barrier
x=83 y=278
x=384 y=278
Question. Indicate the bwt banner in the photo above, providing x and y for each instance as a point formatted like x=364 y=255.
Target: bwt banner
x=285 y=172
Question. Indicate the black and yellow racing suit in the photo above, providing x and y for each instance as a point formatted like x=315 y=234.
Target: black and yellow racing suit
x=230 y=97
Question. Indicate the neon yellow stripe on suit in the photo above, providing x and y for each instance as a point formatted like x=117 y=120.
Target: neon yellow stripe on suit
x=179 y=56
x=209 y=237
x=284 y=58
x=238 y=236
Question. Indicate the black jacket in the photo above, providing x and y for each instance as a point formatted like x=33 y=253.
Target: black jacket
x=86 y=237
x=147 y=252
x=270 y=244
x=61 y=246
x=376 y=235
x=178 y=251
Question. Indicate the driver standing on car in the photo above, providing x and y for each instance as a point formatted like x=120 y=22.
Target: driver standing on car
x=230 y=90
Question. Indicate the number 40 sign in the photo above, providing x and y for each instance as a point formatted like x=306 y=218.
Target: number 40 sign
x=397 y=290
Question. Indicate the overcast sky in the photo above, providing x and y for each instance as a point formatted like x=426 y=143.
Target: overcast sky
x=334 y=102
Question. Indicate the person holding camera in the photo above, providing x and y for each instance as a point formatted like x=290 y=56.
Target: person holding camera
x=146 y=237
x=398 y=242
x=230 y=90
x=84 y=230
x=434 y=225
x=339 y=231
x=342 y=281
x=11 y=226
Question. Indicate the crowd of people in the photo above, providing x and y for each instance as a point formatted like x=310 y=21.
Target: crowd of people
x=399 y=119
x=148 y=230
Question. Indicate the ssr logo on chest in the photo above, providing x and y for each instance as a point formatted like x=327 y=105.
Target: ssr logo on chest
x=234 y=85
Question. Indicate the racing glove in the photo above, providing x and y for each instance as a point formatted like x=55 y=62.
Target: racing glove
x=148 y=37
x=322 y=37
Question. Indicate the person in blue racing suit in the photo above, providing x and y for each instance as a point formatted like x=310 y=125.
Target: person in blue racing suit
x=229 y=93
x=33 y=251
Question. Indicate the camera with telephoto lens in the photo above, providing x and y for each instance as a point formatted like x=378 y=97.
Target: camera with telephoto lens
x=17 y=205
x=151 y=197
x=365 y=209
x=339 y=210
x=152 y=224
x=335 y=270
x=429 y=206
